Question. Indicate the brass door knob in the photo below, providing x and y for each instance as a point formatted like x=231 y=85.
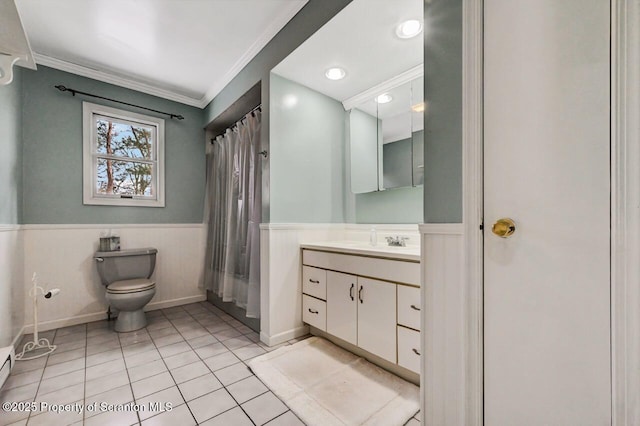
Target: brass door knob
x=504 y=227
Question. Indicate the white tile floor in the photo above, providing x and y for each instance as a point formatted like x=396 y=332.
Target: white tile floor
x=192 y=356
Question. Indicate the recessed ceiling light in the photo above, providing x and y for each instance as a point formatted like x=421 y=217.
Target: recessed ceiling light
x=384 y=98
x=335 y=73
x=408 y=29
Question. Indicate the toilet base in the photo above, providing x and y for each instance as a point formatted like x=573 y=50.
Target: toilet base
x=130 y=307
x=130 y=321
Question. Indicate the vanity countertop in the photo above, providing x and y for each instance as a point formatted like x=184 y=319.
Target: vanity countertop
x=364 y=248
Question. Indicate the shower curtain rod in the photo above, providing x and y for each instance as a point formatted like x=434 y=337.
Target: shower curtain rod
x=254 y=109
x=62 y=88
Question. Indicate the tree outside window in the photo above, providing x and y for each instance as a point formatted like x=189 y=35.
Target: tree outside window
x=124 y=153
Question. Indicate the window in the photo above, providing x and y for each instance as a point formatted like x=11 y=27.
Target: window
x=123 y=157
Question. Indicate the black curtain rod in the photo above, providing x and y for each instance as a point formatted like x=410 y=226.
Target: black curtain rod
x=254 y=109
x=62 y=88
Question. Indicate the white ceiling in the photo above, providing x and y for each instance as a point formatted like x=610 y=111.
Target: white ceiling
x=183 y=50
x=362 y=40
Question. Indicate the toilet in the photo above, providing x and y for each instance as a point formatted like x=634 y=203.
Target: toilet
x=127 y=276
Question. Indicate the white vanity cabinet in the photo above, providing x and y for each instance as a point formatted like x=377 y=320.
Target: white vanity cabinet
x=342 y=306
x=314 y=294
x=377 y=317
x=362 y=311
x=409 y=308
x=370 y=302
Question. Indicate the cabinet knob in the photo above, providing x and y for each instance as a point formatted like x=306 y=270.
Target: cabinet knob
x=313 y=311
x=314 y=281
x=415 y=307
x=360 y=294
x=415 y=351
x=351 y=291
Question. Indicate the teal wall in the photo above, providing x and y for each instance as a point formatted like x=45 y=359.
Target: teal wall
x=401 y=205
x=52 y=154
x=307 y=155
x=309 y=182
x=396 y=158
x=443 y=118
x=363 y=151
x=11 y=150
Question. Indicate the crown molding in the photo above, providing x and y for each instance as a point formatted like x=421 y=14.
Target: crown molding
x=253 y=50
x=116 y=80
x=398 y=80
x=212 y=92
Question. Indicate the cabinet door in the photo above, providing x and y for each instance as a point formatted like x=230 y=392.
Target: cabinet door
x=377 y=317
x=342 y=309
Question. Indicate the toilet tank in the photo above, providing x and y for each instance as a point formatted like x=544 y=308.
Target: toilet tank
x=125 y=264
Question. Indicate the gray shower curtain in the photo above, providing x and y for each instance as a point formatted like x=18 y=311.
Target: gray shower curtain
x=232 y=213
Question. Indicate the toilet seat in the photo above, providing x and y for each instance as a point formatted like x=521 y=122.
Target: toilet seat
x=130 y=286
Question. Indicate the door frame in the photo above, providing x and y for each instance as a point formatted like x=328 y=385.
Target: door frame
x=472 y=203
x=625 y=217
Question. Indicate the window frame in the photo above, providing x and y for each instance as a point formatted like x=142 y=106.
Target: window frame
x=90 y=158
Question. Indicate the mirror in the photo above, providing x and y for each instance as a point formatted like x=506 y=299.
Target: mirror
x=418 y=106
x=386 y=138
x=394 y=113
x=362 y=53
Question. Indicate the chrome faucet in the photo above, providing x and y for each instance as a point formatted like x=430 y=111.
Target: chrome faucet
x=397 y=241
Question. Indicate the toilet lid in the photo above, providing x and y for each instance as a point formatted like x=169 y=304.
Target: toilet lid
x=131 y=286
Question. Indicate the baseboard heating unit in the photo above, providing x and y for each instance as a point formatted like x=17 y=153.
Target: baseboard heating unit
x=7 y=359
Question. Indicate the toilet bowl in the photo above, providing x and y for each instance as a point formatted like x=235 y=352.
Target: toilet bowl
x=129 y=287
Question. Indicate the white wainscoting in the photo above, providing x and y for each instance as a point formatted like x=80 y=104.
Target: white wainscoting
x=443 y=378
x=62 y=255
x=11 y=290
x=281 y=283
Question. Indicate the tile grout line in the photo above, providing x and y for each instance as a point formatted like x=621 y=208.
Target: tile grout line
x=84 y=387
x=169 y=371
x=210 y=313
x=126 y=369
x=201 y=360
x=41 y=377
x=237 y=381
x=214 y=374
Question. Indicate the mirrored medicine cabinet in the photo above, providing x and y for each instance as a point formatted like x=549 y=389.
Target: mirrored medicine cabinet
x=386 y=137
x=360 y=59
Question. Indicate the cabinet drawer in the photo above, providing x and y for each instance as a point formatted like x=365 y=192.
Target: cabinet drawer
x=409 y=306
x=314 y=312
x=314 y=282
x=409 y=349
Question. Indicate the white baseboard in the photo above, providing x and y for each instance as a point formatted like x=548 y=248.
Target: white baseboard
x=175 y=302
x=66 y=322
x=284 y=336
x=18 y=337
x=97 y=316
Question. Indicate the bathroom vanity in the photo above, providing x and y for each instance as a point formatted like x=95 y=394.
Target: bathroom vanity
x=365 y=297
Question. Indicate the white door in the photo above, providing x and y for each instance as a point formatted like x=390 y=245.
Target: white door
x=546 y=166
x=342 y=308
x=377 y=317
